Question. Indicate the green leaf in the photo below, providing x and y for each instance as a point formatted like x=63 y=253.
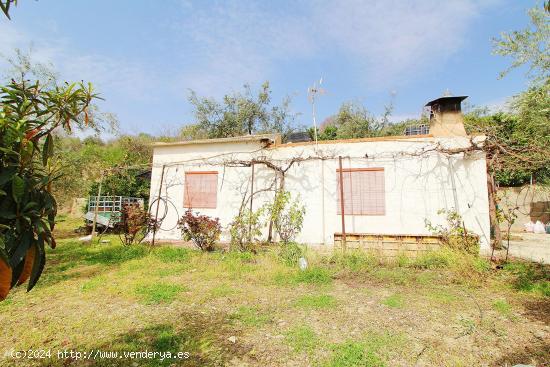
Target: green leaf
x=17 y=188
x=38 y=266
x=6 y=174
x=47 y=150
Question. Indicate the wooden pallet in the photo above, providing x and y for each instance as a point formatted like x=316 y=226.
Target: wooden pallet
x=389 y=244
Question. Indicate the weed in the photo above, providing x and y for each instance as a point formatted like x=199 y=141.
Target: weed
x=351 y=354
x=316 y=302
x=354 y=261
x=394 y=301
x=399 y=276
x=250 y=316
x=533 y=278
x=158 y=293
x=290 y=253
x=222 y=290
x=503 y=307
x=302 y=339
x=172 y=254
x=442 y=297
x=314 y=275
x=114 y=255
x=93 y=283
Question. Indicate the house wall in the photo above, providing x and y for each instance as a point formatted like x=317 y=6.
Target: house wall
x=417 y=184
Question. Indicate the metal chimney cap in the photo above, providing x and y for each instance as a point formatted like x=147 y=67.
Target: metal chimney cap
x=446 y=100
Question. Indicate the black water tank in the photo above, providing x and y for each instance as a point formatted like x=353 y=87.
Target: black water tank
x=298 y=137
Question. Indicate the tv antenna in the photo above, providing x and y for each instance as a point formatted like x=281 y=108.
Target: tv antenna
x=312 y=93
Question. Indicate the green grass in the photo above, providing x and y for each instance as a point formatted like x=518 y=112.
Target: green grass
x=316 y=302
x=503 y=307
x=394 y=301
x=158 y=293
x=222 y=290
x=530 y=277
x=314 y=275
x=371 y=351
x=251 y=316
x=354 y=354
x=302 y=339
x=173 y=254
x=93 y=283
x=135 y=298
x=442 y=296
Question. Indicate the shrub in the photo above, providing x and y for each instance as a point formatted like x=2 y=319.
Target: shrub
x=246 y=229
x=454 y=234
x=290 y=253
x=135 y=223
x=202 y=230
x=287 y=216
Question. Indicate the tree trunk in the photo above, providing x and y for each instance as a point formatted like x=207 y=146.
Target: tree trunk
x=495 y=228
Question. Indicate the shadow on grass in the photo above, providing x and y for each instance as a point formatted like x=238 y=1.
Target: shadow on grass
x=200 y=341
x=73 y=259
x=536 y=354
x=538 y=309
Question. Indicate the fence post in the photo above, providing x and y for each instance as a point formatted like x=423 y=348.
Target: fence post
x=342 y=212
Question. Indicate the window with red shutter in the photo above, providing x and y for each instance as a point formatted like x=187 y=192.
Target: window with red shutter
x=364 y=191
x=200 y=190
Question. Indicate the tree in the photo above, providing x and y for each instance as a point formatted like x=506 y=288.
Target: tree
x=529 y=46
x=353 y=121
x=239 y=114
x=5 y=6
x=29 y=115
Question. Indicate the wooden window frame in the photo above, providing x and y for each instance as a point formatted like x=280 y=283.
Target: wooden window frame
x=186 y=203
x=351 y=170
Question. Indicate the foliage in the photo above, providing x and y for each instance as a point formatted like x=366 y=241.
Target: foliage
x=29 y=116
x=290 y=253
x=135 y=223
x=240 y=114
x=454 y=234
x=287 y=215
x=5 y=6
x=521 y=147
x=528 y=46
x=246 y=228
x=530 y=277
x=201 y=229
x=353 y=120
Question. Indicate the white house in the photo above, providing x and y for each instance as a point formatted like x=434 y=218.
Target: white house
x=391 y=185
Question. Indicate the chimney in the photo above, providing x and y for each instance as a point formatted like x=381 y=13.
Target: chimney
x=446 y=118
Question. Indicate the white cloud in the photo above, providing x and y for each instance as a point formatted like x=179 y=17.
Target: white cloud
x=389 y=42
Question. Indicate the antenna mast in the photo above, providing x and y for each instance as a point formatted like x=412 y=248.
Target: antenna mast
x=312 y=93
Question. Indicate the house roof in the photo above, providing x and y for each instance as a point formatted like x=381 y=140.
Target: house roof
x=267 y=138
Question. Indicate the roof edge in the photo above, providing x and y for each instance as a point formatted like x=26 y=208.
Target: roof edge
x=271 y=139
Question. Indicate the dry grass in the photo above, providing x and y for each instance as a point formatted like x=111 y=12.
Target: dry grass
x=248 y=310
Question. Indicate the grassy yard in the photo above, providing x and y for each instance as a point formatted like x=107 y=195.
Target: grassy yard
x=252 y=310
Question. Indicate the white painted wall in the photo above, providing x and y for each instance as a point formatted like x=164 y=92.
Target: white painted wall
x=417 y=186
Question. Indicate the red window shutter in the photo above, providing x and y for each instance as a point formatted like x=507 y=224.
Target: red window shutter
x=200 y=190
x=364 y=191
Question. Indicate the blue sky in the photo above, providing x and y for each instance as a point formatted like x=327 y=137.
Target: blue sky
x=144 y=56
